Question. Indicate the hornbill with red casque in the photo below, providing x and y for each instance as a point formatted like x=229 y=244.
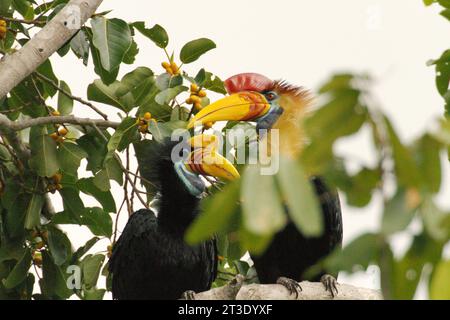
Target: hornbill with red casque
x=278 y=105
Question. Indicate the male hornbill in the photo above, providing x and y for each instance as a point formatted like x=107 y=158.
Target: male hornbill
x=278 y=105
x=151 y=259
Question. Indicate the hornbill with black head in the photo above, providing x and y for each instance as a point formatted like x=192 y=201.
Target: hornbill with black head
x=279 y=105
x=151 y=260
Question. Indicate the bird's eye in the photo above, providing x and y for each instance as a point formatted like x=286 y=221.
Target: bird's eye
x=270 y=96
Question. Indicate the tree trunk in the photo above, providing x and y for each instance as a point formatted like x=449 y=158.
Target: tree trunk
x=16 y=67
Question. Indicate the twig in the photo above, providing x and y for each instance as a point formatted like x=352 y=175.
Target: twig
x=125 y=185
x=117 y=221
x=124 y=170
x=24 y=21
x=8 y=125
x=70 y=96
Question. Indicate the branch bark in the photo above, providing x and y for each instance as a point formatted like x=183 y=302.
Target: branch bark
x=8 y=126
x=17 y=66
x=311 y=291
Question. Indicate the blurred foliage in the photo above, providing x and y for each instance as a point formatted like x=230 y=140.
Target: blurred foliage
x=35 y=251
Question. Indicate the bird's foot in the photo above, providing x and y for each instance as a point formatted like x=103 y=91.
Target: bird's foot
x=291 y=285
x=330 y=284
x=188 y=295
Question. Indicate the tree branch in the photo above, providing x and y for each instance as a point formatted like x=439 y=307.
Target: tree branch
x=311 y=291
x=70 y=96
x=8 y=126
x=17 y=66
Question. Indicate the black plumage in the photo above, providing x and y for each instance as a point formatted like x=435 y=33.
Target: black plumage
x=151 y=259
x=291 y=254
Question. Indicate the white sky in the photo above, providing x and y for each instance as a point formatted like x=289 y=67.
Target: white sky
x=303 y=42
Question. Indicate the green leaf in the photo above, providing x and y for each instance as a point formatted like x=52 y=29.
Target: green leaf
x=105 y=198
x=95 y=146
x=53 y=283
x=108 y=94
x=405 y=168
x=193 y=50
x=112 y=171
x=65 y=104
x=428 y=157
x=91 y=266
x=265 y=216
x=434 y=220
x=112 y=38
x=296 y=190
x=70 y=156
x=15 y=218
x=19 y=272
x=107 y=77
x=80 y=46
x=439 y=288
x=59 y=245
x=407 y=272
x=94 y=294
x=134 y=82
x=360 y=252
x=98 y=221
x=169 y=94
x=44 y=159
x=157 y=33
x=72 y=202
x=397 y=215
x=209 y=222
x=124 y=135
x=132 y=52
x=81 y=251
x=33 y=211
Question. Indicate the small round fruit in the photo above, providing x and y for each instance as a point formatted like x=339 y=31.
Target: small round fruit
x=147 y=116
x=44 y=235
x=56 y=113
x=194 y=87
x=165 y=65
x=198 y=106
x=208 y=125
x=63 y=131
x=54 y=136
x=37 y=258
x=39 y=245
x=196 y=99
x=189 y=101
x=202 y=93
x=174 y=67
x=143 y=129
x=57 y=177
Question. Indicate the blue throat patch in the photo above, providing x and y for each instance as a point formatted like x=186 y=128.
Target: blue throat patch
x=268 y=120
x=191 y=181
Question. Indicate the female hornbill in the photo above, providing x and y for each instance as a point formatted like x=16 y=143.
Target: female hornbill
x=151 y=259
x=278 y=105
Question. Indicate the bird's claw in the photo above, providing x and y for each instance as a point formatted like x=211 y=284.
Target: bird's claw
x=330 y=284
x=188 y=295
x=291 y=285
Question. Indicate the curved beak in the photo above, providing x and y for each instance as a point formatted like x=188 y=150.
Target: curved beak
x=206 y=161
x=243 y=106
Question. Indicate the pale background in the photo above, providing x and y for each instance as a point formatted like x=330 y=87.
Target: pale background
x=303 y=42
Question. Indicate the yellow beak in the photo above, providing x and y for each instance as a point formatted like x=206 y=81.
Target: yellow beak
x=243 y=106
x=205 y=159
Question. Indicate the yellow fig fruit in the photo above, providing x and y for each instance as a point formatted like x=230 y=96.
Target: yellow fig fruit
x=194 y=87
x=202 y=93
x=56 y=113
x=63 y=131
x=147 y=116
